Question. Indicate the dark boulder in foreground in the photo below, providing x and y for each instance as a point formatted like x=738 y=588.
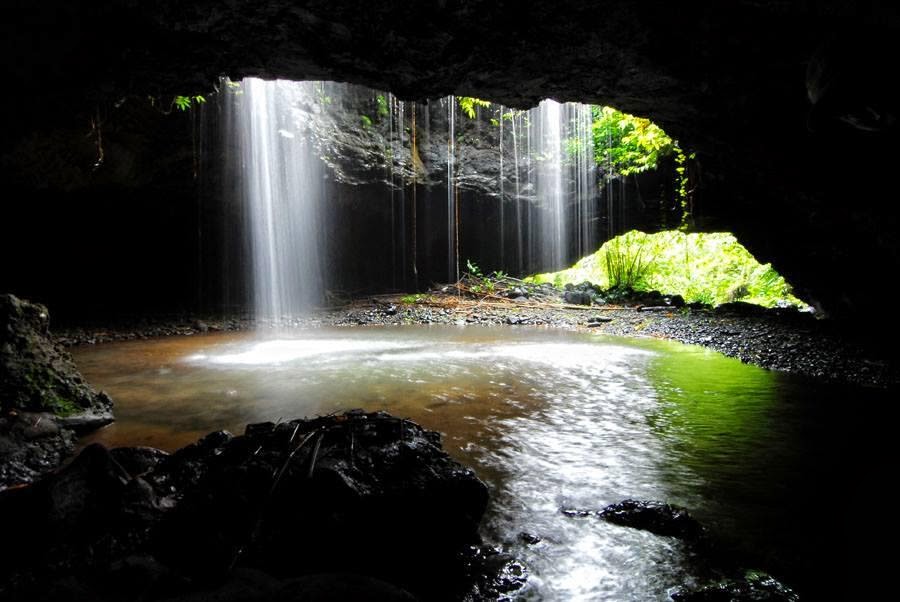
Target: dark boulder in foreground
x=361 y=494
x=43 y=398
x=656 y=517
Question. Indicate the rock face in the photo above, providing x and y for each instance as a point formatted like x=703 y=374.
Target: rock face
x=44 y=401
x=364 y=494
x=37 y=375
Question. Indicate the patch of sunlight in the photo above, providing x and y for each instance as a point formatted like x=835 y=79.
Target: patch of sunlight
x=711 y=268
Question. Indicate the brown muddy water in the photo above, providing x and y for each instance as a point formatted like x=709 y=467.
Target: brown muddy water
x=548 y=419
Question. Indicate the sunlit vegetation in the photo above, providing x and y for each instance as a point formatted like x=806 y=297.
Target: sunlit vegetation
x=628 y=144
x=710 y=268
x=467 y=104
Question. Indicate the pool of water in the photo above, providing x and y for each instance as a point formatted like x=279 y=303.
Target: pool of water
x=548 y=419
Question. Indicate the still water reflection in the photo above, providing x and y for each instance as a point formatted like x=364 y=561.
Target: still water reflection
x=548 y=419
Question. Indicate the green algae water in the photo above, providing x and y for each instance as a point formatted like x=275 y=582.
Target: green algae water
x=549 y=419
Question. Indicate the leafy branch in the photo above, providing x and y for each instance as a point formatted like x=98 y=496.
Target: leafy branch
x=468 y=104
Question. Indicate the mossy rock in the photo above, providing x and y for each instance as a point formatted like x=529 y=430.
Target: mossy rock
x=36 y=373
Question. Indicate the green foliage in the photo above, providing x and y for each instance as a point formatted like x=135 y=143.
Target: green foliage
x=626 y=264
x=411 y=299
x=323 y=98
x=682 y=193
x=627 y=144
x=366 y=121
x=382 y=103
x=184 y=103
x=468 y=104
x=476 y=282
x=710 y=268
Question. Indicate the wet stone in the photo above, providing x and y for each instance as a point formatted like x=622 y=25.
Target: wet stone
x=657 y=517
x=753 y=586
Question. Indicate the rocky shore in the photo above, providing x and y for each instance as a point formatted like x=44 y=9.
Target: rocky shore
x=781 y=339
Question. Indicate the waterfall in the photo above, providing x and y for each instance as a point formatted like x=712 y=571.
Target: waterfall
x=281 y=183
x=452 y=208
x=502 y=225
x=520 y=251
x=552 y=241
x=340 y=175
x=584 y=176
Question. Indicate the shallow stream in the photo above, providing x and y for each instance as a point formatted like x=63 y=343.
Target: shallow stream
x=549 y=419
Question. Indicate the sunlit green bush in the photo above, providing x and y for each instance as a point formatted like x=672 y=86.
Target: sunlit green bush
x=712 y=268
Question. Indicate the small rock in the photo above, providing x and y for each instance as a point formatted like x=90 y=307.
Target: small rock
x=577 y=297
x=653 y=516
x=755 y=586
x=529 y=538
x=138 y=460
x=37 y=426
x=598 y=320
x=577 y=512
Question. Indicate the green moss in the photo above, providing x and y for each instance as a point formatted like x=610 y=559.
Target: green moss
x=61 y=406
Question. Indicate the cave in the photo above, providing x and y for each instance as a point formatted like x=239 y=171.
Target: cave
x=122 y=211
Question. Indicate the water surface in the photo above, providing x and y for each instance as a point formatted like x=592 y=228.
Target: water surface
x=549 y=419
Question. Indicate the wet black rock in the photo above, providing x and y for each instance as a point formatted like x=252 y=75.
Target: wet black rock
x=31 y=444
x=754 y=586
x=594 y=321
x=138 y=460
x=492 y=573
x=360 y=493
x=577 y=512
x=43 y=397
x=530 y=538
x=577 y=297
x=741 y=308
x=249 y=585
x=656 y=517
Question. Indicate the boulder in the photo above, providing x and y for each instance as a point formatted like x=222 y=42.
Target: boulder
x=356 y=492
x=656 y=517
x=361 y=494
x=37 y=374
x=576 y=297
x=43 y=397
x=31 y=444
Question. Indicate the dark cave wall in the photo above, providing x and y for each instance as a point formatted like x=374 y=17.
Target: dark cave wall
x=807 y=187
x=95 y=241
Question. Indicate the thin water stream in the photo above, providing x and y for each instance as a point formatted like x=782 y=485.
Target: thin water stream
x=548 y=419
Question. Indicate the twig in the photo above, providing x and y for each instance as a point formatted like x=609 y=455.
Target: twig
x=315 y=454
x=275 y=482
